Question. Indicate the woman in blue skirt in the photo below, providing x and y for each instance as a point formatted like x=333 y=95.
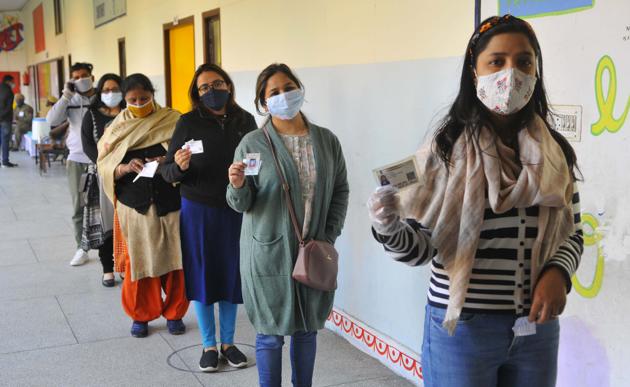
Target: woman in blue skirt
x=198 y=156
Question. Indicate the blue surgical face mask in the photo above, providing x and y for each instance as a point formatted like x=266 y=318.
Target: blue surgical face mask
x=287 y=105
x=111 y=99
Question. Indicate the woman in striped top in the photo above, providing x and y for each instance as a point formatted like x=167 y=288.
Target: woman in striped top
x=497 y=217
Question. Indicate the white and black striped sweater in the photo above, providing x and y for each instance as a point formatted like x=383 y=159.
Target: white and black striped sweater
x=500 y=280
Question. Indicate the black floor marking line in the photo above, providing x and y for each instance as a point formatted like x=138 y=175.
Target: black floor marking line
x=251 y=362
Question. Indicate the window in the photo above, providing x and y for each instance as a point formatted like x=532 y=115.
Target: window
x=100 y=11
x=122 y=58
x=58 y=17
x=107 y=10
x=212 y=37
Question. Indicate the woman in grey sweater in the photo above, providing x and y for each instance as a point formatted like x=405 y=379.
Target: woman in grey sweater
x=313 y=164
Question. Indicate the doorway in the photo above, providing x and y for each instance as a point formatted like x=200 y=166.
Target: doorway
x=179 y=58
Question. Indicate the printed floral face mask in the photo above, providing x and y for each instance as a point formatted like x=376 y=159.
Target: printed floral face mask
x=507 y=91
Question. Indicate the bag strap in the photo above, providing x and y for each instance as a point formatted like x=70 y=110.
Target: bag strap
x=285 y=187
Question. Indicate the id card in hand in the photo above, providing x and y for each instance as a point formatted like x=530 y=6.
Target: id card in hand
x=195 y=146
x=401 y=174
x=253 y=163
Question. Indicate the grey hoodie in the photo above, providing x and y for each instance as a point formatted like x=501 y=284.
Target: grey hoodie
x=73 y=110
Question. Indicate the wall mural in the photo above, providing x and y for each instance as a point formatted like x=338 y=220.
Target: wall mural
x=592 y=237
x=539 y=8
x=10 y=33
x=606 y=103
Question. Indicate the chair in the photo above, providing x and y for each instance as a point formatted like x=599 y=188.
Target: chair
x=47 y=152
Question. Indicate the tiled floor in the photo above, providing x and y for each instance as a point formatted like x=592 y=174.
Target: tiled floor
x=60 y=327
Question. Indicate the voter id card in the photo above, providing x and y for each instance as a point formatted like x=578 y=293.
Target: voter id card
x=252 y=164
x=195 y=146
x=401 y=174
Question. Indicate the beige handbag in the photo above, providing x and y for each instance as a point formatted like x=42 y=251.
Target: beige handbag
x=317 y=261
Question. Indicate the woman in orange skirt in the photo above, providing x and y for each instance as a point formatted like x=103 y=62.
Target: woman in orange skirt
x=146 y=229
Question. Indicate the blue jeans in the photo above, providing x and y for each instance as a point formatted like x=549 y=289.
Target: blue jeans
x=484 y=352
x=269 y=359
x=227 y=321
x=5 y=139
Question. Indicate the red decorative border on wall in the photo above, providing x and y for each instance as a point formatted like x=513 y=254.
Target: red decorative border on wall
x=384 y=350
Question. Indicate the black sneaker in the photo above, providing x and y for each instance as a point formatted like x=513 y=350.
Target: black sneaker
x=209 y=361
x=234 y=357
x=8 y=164
x=139 y=329
x=176 y=327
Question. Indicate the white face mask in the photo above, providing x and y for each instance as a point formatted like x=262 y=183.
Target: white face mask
x=507 y=91
x=286 y=105
x=111 y=99
x=83 y=85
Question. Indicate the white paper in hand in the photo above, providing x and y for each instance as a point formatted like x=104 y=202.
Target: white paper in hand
x=148 y=170
x=522 y=327
x=195 y=146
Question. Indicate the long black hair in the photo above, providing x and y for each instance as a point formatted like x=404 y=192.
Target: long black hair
x=468 y=114
x=99 y=89
x=193 y=90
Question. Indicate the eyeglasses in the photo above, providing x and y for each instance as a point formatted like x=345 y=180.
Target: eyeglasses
x=216 y=84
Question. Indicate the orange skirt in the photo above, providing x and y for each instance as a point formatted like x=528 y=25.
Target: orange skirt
x=142 y=299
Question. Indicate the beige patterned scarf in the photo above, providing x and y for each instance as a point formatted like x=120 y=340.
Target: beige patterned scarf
x=452 y=204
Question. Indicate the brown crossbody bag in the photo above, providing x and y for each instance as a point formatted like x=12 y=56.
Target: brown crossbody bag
x=317 y=261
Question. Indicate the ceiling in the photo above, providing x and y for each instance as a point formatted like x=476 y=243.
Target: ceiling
x=12 y=5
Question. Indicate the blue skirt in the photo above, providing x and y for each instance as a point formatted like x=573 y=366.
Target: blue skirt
x=210 y=252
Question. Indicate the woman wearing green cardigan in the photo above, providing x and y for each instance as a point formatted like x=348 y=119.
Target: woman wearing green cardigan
x=313 y=164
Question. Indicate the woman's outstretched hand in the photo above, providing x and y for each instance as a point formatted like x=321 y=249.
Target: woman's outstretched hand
x=384 y=210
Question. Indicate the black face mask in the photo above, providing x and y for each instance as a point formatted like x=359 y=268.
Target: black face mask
x=215 y=99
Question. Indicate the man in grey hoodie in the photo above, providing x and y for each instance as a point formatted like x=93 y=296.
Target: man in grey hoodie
x=78 y=94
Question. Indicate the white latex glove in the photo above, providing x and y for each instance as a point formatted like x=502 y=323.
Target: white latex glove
x=68 y=90
x=384 y=210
